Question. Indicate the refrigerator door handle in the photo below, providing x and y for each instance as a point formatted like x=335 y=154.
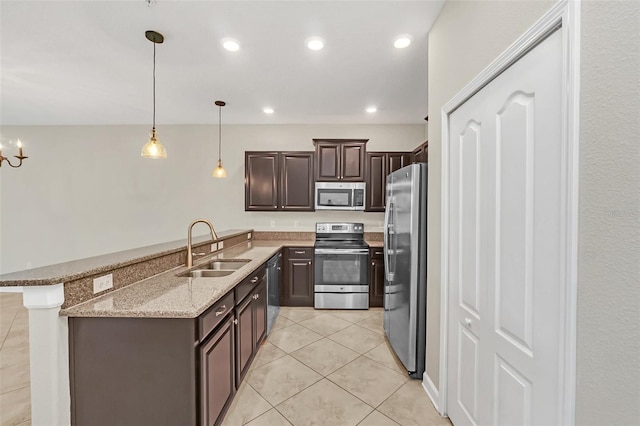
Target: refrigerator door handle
x=387 y=240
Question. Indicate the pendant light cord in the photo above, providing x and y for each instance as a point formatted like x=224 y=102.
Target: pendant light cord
x=154 y=85
x=219 y=133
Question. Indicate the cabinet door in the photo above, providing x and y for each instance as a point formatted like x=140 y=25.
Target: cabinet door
x=261 y=181
x=328 y=161
x=260 y=313
x=376 y=177
x=376 y=274
x=421 y=153
x=217 y=374
x=297 y=285
x=296 y=179
x=397 y=160
x=352 y=161
x=245 y=340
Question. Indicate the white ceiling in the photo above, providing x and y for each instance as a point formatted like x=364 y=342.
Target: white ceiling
x=88 y=62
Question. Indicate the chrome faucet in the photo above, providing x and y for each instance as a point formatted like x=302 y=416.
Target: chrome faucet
x=214 y=236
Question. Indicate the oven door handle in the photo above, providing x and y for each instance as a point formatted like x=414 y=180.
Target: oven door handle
x=341 y=251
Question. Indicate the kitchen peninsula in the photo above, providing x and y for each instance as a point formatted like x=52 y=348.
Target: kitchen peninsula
x=146 y=283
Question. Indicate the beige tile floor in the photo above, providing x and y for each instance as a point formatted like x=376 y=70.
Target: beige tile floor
x=15 y=392
x=316 y=368
x=329 y=368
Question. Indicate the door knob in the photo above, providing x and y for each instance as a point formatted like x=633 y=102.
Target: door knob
x=467 y=321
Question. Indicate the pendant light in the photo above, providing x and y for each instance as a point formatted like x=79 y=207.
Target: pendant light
x=219 y=172
x=154 y=149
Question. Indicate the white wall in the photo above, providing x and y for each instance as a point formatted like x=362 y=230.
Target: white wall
x=468 y=36
x=86 y=191
x=608 y=388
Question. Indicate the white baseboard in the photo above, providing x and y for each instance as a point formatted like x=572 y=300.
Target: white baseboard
x=432 y=392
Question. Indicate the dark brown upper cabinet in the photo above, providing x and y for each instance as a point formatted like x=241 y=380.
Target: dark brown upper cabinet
x=279 y=181
x=340 y=160
x=379 y=165
x=421 y=153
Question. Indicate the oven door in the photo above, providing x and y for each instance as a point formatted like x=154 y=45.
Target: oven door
x=341 y=270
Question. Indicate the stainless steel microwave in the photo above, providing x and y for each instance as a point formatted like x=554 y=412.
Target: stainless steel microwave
x=340 y=195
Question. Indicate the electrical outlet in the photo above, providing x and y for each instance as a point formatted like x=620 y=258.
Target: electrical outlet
x=249 y=236
x=295 y=223
x=29 y=265
x=214 y=247
x=102 y=283
x=273 y=223
x=220 y=245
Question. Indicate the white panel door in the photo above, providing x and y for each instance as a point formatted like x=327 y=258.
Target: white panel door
x=505 y=252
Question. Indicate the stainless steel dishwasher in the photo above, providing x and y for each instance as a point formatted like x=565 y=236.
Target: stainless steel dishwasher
x=273 y=289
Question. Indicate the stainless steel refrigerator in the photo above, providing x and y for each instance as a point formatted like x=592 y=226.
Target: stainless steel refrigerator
x=405 y=247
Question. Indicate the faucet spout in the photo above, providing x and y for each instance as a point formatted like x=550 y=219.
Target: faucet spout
x=214 y=237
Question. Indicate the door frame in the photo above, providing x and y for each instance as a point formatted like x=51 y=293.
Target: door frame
x=564 y=16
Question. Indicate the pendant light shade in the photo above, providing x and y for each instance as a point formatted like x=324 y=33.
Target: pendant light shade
x=220 y=172
x=153 y=148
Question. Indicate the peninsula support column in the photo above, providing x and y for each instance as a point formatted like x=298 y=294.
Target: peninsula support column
x=49 y=355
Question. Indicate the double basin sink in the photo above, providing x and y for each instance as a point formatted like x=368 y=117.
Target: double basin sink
x=216 y=268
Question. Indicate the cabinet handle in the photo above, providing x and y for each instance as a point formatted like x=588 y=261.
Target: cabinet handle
x=235 y=321
x=254 y=280
x=372 y=263
x=378 y=252
x=309 y=262
x=221 y=311
x=257 y=296
x=300 y=251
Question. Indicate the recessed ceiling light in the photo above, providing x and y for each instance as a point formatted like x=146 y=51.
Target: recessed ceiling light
x=267 y=110
x=371 y=109
x=402 y=41
x=230 y=44
x=315 y=43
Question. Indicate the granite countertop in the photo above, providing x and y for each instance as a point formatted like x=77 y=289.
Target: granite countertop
x=167 y=295
x=75 y=269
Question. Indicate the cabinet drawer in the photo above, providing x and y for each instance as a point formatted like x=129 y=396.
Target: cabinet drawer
x=299 y=253
x=214 y=315
x=249 y=283
x=376 y=252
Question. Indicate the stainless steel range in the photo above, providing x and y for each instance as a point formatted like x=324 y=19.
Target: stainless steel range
x=341 y=266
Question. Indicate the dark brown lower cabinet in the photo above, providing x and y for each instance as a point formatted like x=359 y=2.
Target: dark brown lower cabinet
x=260 y=325
x=297 y=285
x=251 y=328
x=217 y=385
x=134 y=371
x=166 y=371
x=376 y=274
x=244 y=339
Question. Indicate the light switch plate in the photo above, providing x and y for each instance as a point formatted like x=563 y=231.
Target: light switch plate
x=249 y=236
x=220 y=245
x=102 y=283
x=214 y=247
